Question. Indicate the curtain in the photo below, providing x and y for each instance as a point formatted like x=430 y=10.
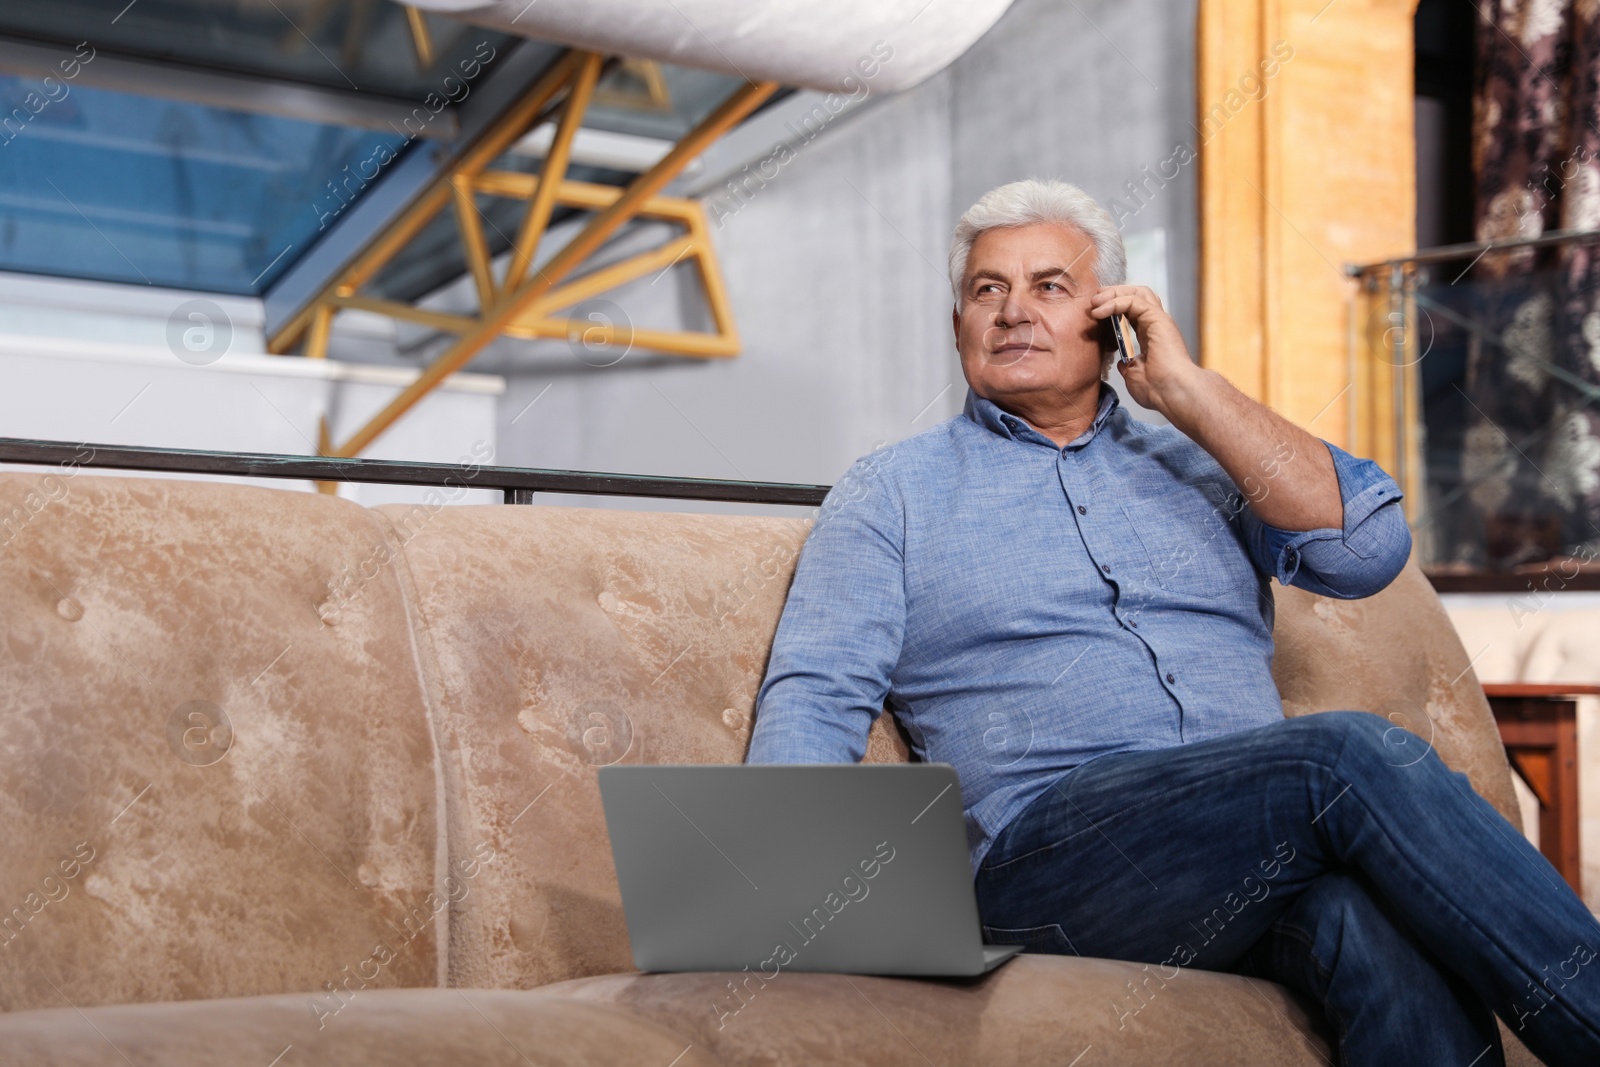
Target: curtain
x=1531 y=455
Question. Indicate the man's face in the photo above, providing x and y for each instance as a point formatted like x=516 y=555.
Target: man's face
x=1022 y=326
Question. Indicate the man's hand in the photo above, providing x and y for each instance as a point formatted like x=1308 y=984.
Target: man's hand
x=1163 y=374
x=1285 y=473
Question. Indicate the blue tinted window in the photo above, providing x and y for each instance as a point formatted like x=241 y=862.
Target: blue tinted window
x=112 y=186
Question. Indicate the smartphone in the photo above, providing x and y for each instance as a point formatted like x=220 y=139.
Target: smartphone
x=1123 y=354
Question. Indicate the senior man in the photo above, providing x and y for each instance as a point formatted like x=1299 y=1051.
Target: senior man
x=1072 y=607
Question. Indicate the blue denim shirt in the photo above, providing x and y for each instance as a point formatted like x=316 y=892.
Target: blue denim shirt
x=1024 y=607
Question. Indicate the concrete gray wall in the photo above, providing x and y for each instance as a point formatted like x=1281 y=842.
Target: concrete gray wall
x=1090 y=91
x=836 y=265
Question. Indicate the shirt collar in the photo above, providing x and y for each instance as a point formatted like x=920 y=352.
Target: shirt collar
x=992 y=417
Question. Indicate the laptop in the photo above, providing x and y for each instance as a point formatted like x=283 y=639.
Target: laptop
x=843 y=868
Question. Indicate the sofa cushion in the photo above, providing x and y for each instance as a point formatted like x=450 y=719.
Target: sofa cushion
x=1397 y=655
x=1033 y=1011
x=564 y=639
x=377 y=1028
x=153 y=853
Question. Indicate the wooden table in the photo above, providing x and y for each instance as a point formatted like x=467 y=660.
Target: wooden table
x=1539 y=727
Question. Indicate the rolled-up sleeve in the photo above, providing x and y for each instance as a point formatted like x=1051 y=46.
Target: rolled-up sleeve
x=842 y=626
x=1355 y=561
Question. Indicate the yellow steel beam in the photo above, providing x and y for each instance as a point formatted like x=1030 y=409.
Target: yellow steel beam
x=552 y=173
x=324 y=446
x=576 y=291
x=711 y=277
x=536 y=321
x=525 y=307
x=433 y=200
x=593 y=196
x=438 y=320
x=321 y=325
x=677 y=342
x=512 y=184
x=513 y=301
x=473 y=245
x=603 y=225
x=608 y=277
x=590 y=196
x=420 y=37
x=696 y=244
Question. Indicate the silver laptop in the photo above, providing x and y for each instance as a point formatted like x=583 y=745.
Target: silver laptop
x=845 y=868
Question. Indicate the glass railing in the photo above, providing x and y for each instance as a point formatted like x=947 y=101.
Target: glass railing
x=1477 y=370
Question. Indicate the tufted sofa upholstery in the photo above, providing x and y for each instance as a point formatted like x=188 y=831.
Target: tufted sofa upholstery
x=286 y=780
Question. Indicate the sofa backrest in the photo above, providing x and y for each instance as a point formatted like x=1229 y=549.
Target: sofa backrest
x=569 y=638
x=1395 y=654
x=565 y=639
x=152 y=853
x=417 y=702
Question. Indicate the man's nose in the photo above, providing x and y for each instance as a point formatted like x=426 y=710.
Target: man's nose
x=1013 y=312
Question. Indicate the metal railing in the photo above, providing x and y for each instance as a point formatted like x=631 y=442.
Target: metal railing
x=518 y=484
x=1446 y=341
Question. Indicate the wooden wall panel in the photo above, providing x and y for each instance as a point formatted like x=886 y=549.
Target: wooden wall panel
x=1315 y=172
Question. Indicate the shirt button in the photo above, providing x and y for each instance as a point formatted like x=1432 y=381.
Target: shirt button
x=1133 y=623
x=1082 y=510
x=1171 y=678
x=1106 y=567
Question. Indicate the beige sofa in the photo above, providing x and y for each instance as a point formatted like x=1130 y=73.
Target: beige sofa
x=393 y=851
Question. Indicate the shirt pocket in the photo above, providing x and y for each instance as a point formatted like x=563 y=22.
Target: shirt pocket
x=1186 y=541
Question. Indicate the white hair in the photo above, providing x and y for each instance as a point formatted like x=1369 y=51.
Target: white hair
x=1030 y=201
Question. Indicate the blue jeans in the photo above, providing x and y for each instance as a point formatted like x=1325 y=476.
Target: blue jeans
x=1333 y=853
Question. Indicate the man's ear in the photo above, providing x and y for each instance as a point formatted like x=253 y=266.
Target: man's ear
x=955 y=323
